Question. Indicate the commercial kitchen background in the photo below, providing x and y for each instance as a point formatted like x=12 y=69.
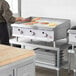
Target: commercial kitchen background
x=46 y=8
x=64 y=9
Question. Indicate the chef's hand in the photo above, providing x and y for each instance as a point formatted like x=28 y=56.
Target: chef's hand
x=28 y=19
x=20 y=19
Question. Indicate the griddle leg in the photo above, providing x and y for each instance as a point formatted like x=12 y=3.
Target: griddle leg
x=74 y=72
x=69 y=63
x=58 y=72
x=22 y=46
x=11 y=44
x=74 y=62
x=58 y=62
x=17 y=39
x=54 y=44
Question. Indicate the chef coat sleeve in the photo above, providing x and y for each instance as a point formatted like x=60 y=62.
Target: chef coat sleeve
x=7 y=14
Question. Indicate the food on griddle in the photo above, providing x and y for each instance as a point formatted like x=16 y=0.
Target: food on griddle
x=30 y=23
x=34 y=22
x=44 y=22
x=37 y=18
x=52 y=24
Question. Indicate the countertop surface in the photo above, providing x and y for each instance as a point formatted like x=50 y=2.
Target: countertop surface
x=10 y=54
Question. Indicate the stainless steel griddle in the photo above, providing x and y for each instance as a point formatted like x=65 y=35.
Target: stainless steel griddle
x=43 y=37
x=43 y=32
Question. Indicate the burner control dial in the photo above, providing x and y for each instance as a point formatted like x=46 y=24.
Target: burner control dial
x=33 y=33
x=45 y=34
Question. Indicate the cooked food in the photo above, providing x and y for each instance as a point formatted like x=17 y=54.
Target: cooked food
x=29 y=23
x=44 y=23
x=34 y=22
x=37 y=18
x=52 y=24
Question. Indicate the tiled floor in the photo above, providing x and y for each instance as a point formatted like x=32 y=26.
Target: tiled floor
x=49 y=72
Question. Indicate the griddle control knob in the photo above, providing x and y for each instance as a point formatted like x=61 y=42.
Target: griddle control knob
x=21 y=32
x=18 y=29
x=42 y=32
x=46 y=35
x=33 y=33
x=30 y=31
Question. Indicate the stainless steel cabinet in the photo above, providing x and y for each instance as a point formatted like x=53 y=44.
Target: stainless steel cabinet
x=21 y=68
x=7 y=72
x=26 y=70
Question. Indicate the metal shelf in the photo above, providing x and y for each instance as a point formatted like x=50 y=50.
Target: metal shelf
x=45 y=45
